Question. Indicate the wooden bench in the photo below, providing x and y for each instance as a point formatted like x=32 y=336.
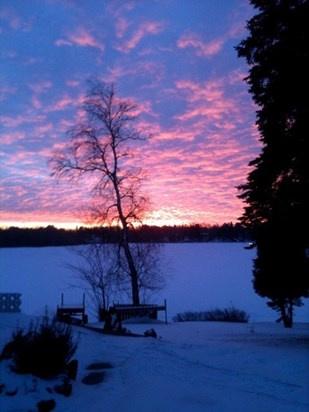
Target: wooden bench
x=71 y=312
x=127 y=311
x=10 y=302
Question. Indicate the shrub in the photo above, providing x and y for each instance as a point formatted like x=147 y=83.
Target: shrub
x=226 y=315
x=43 y=350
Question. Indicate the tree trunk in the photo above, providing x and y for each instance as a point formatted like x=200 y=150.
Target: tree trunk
x=133 y=273
x=131 y=264
x=287 y=314
x=125 y=241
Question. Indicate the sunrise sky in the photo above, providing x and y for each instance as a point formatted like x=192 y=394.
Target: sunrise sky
x=175 y=58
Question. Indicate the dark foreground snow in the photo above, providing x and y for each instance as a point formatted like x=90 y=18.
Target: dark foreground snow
x=190 y=367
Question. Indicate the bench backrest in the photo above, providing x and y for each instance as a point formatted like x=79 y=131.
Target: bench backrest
x=10 y=302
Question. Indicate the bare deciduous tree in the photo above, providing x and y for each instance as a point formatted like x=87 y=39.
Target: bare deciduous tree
x=150 y=266
x=101 y=145
x=96 y=267
x=102 y=269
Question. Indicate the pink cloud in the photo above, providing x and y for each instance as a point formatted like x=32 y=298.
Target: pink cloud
x=41 y=130
x=9 y=16
x=73 y=83
x=64 y=102
x=6 y=91
x=116 y=72
x=121 y=27
x=118 y=7
x=144 y=29
x=36 y=103
x=62 y=42
x=202 y=49
x=212 y=47
x=41 y=87
x=81 y=37
x=144 y=68
x=145 y=107
x=211 y=184
x=206 y=100
x=200 y=158
x=8 y=121
x=211 y=90
x=183 y=135
x=38 y=89
x=14 y=21
x=11 y=138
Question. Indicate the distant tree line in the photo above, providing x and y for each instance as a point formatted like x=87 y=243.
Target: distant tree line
x=52 y=236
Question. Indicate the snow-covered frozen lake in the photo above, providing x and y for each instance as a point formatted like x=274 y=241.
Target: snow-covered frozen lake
x=202 y=276
x=192 y=366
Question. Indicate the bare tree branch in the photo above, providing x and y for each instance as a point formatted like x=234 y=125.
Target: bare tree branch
x=101 y=146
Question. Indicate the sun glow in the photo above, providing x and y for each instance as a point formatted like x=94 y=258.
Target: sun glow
x=39 y=224
x=157 y=218
x=167 y=216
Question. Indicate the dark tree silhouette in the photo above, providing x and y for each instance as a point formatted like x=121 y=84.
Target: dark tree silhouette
x=277 y=188
x=101 y=145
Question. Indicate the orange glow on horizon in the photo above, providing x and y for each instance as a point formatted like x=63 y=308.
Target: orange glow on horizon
x=40 y=224
x=77 y=225
x=157 y=218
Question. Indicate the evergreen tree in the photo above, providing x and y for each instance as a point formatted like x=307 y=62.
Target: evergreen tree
x=277 y=188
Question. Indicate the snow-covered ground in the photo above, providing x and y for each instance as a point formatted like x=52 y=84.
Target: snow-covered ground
x=190 y=367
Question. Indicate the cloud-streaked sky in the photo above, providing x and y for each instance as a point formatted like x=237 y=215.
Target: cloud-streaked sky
x=175 y=58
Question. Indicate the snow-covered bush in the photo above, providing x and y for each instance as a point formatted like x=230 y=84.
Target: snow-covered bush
x=226 y=315
x=43 y=350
